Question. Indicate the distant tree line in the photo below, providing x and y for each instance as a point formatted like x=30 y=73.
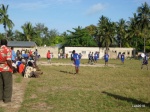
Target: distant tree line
x=133 y=33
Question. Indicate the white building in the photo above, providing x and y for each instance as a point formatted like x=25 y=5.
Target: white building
x=113 y=51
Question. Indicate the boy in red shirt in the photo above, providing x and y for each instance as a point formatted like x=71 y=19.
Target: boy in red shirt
x=49 y=56
x=22 y=66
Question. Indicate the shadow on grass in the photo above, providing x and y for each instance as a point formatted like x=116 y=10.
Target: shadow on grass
x=133 y=101
x=66 y=72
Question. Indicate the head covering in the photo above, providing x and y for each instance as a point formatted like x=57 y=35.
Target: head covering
x=30 y=63
x=23 y=61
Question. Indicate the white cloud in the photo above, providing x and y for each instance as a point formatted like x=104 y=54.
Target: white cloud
x=96 y=9
x=39 y=4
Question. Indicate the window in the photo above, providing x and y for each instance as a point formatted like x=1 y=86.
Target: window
x=83 y=52
x=128 y=52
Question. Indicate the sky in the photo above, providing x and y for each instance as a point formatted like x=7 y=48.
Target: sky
x=64 y=15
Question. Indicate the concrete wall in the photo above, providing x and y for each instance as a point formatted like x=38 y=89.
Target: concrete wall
x=113 y=52
x=42 y=50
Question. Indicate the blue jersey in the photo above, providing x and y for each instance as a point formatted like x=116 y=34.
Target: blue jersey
x=106 y=56
x=95 y=56
x=122 y=56
x=76 y=59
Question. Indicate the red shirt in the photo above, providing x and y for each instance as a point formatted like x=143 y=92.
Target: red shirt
x=48 y=55
x=21 y=68
x=30 y=53
x=5 y=54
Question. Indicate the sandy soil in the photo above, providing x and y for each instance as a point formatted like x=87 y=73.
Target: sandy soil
x=17 y=97
x=71 y=64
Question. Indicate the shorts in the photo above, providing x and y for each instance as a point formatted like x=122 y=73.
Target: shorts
x=106 y=60
x=77 y=65
x=122 y=60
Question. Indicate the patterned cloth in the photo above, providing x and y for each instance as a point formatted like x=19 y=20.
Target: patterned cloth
x=29 y=71
x=5 y=54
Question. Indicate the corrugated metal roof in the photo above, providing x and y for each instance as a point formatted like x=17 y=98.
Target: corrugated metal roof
x=21 y=44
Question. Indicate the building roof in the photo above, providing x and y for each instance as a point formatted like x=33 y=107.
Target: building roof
x=21 y=44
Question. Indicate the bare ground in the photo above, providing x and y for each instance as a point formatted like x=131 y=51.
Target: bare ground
x=71 y=64
x=17 y=96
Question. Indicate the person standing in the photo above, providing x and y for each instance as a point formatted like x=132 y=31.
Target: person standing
x=145 y=62
x=106 y=58
x=95 y=57
x=13 y=58
x=89 y=57
x=71 y=56
x=58 y=55
x=36 y=56
x=5 y=72
x=49 y=56
x=76 y=61
x=122 y=58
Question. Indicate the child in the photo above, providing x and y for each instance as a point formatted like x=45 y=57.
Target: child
x=49 y=56
x=106 y=57
x=122 y=58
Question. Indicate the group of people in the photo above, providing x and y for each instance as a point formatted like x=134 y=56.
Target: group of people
x=93 y=57
x=23 y=62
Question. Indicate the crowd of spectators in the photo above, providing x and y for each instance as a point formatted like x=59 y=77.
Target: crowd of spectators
x=24 y=62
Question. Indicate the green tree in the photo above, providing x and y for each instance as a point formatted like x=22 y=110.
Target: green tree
x=28 y=32
x=134 y=33
x=80 y=37
x=106 y=31
x=143 y=20
x=122 y=33
x=4 y=19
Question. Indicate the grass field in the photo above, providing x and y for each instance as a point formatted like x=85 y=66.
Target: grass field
x=122 y=88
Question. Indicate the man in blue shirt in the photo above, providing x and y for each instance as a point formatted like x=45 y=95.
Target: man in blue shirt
x=76 y=61
x=13 y=57
x=106 y=57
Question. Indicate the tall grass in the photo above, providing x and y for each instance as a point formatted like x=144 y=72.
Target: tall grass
x=122 y=88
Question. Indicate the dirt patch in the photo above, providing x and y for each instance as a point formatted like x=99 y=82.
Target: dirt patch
x=17 y=97
x=71 y=64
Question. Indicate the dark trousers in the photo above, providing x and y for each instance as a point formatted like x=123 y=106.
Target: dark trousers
x=5 y=86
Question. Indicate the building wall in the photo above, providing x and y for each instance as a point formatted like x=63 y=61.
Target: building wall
x=42 y=50
x=113 y=52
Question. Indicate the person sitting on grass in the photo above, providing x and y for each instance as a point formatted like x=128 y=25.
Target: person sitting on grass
x=22 y=66
x=31 y=71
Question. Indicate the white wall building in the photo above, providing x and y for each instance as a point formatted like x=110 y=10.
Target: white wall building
x=113 y=51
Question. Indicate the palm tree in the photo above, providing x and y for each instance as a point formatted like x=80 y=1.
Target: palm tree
x=144 y=20
x=106 y=31
x=134 y=32
x=28 y=31
x=121 y=31
x=4 y=18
